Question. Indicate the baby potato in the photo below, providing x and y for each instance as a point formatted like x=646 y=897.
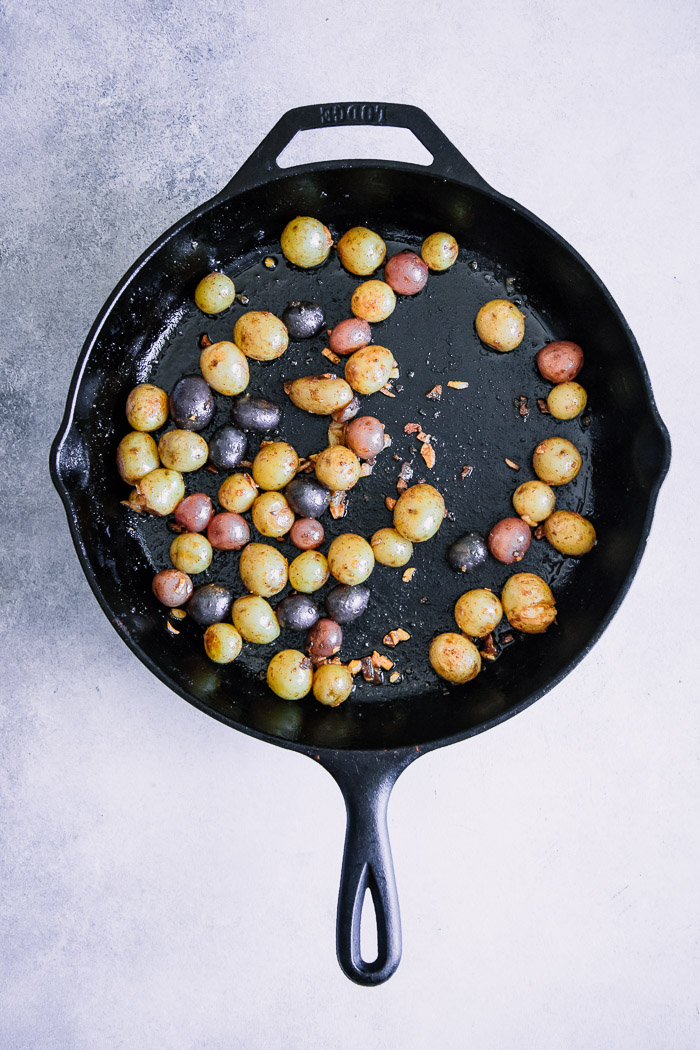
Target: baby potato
x=275 y=465
x=369 y=369
x=263 y=570
x=260 y=335
x=391 y=548
x=147 y=407
x=225 y=368
x=533 y=501
x=361 y=251
x=454 y=657
x=406 y=273
x=306 y=242
x=191 y=552
x=500 y=325
x=159 y=492
x=308 y=572
x=528 y=603
x=419 y=512
x=365 y=436
x=214 y=293
x=439 y=251
x=567 y=400
x=272 y=515
x=183 y=450
x=478 y=612
x=172 y=587
x=349 y=336
x=561 y=361
x=556 y=461
x=570 y=533
x=373 y=301
x=238 y=493
x=333 y=684
x=350 y=558
x=338 y=468
x=222 y=643
x=290 y=674
x=319 y=395
x=255 y=619
x=137 y=455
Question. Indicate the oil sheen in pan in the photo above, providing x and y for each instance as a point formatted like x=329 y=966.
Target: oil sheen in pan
x=432 y=337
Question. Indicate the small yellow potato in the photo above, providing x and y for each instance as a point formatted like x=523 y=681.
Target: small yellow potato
x=361 y=251
x=290 y=674
x=222 y=643
x=159 y=492
x=454 y=657
x=369 y=369
x=263 y=569
x=350 y=559
x=275 y=465
x=533 y=502
x=567 y=400
x=333 y=684
x=338 y=468
x=191 y=552
x=214 y=293
x=478 y=612
x=308 y=572
x=255 y=619
x=419 y=513
x=306 y=242
x=319 y=395
x=556 y=461
x=225 y=368
x=183 y=450
x=391 y=548
x=260 y=335
x=147 y=407
x=570 y=533
x=238 y=493
x=272 y=515
x=528 y=603
x=373 y=301
x=137 y=455
x=439 y=251
x=500 y=325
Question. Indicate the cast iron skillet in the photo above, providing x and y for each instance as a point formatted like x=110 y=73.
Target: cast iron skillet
x=149 y=329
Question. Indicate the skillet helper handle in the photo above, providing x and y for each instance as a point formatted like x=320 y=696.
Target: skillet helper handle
x=366 y=780
x=262 y=165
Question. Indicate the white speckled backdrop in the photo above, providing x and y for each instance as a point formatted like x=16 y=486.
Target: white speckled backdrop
x=168 y=883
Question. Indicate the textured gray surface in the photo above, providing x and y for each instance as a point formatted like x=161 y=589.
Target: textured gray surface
x=168 y=883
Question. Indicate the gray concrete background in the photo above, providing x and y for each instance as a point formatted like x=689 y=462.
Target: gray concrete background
x=168 y=883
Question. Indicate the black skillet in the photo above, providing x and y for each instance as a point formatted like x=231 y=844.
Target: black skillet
x=149 y=329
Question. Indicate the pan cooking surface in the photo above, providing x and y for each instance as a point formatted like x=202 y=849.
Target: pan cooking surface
x=432 y=337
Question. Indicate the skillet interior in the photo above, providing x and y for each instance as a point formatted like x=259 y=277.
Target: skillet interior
x=150 y=332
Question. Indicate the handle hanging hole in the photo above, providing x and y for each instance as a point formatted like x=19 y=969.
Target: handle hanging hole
x=345 y=143
x=369 y=946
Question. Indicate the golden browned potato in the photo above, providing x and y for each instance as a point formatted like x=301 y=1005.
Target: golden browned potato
x=361 y=251
x=391 y=548
x=528 y=603
x=454 y=657
x=333 y=684
x=478 y=612
x=222 y=643
x=567 y=400
x=306 y=242
x=419 y=512
x=191 y=552
x=556 y=461
x=308 y=572
x=500 y=325
x=290 y=674
x=338 y=468
x=275 y=465
x=263 y=570
x=260 y=335
x=238 y=493
x=368 y=370
x=350 y=559
x=255 y=619
x=137 y=455
x=225 y=368
x=214 y=293
x=533 y=501
x=159 y=492
x=147 y=407
x=272 y=515
x=319 y=395
x=373 y=301
x=569 y=532
x=183 y=450
x=439 y=251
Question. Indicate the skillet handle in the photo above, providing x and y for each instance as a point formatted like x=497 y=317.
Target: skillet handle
x=366 y=780
x=262 y=163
